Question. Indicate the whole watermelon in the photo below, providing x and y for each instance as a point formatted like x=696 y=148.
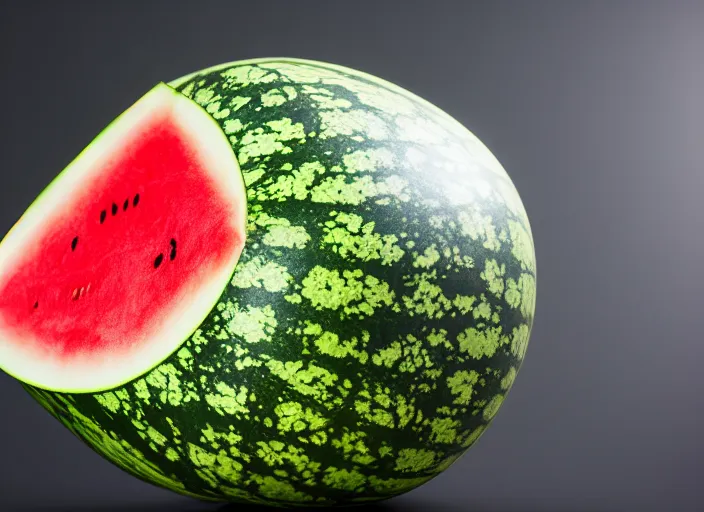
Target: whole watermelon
x=376 y=319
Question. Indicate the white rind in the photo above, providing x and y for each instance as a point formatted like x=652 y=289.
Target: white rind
x=23 y=358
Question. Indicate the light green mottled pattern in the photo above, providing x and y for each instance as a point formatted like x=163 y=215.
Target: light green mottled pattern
x=376 y=320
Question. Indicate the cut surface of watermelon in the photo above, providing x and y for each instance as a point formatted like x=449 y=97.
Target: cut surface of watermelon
x=121 y=258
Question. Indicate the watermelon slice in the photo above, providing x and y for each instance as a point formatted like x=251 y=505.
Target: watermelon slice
x=123 y=256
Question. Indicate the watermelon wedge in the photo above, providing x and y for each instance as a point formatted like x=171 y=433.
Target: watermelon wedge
x=125 y=253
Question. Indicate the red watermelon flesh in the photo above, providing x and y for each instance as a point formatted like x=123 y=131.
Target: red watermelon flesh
x=125 y=253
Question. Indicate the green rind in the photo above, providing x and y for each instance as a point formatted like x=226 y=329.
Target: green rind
x=343 y=364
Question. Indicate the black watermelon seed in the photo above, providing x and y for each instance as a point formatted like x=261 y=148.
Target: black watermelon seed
x=114 y=209
x=36 y=305
x=102 y=216
x=135 y=201
x=74 y=243
x=158 y=260
x=125 y=205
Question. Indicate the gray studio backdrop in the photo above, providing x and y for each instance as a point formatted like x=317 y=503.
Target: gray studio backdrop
x=595 y=108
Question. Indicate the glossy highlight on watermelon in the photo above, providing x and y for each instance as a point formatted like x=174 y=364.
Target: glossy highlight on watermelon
x=376 y=319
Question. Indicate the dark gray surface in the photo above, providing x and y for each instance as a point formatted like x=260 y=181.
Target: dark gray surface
x=594 y=108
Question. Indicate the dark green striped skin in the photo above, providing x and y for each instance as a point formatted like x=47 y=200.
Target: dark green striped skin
x=375 y=322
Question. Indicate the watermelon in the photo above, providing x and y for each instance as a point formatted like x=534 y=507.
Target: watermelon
x=99 y=275
x=375 y=320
